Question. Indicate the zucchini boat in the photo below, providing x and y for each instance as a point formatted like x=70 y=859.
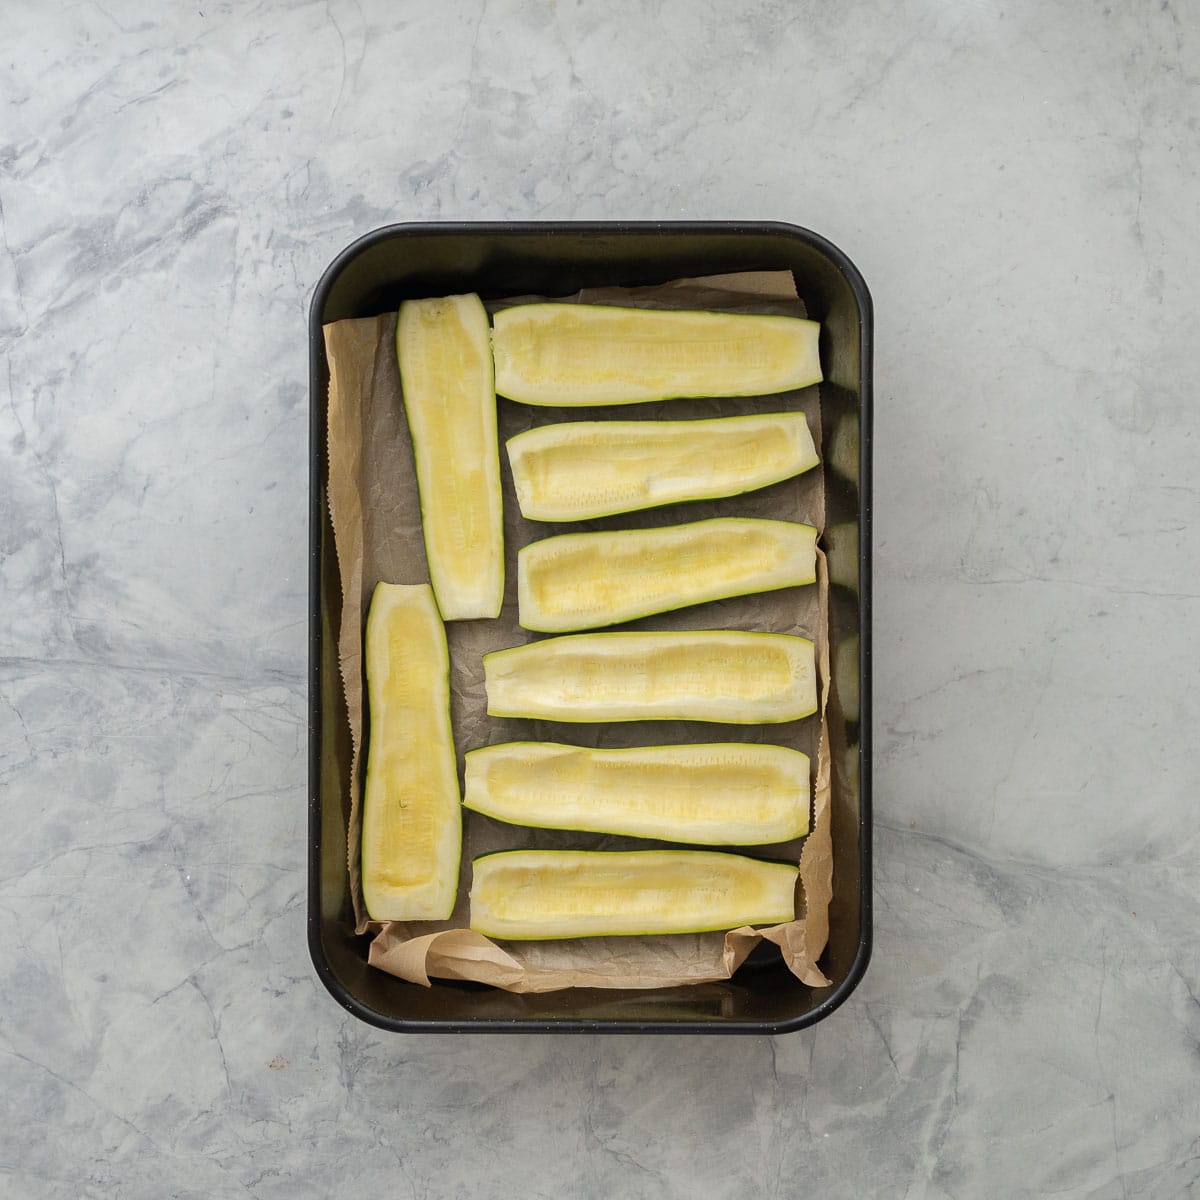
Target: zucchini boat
x=444 y=351
x=586 y=580
x=411 y=819
x=522 y=894
x=569 y=355
x=733 y=677
x=582 y=469
x=723 y=794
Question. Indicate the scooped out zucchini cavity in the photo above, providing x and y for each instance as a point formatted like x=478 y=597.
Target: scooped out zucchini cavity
x=587 y=580
x=577 y=470
x=443 y=347
x=733 y=677
x=720 y=794
x=524 y=894
x=568 y=355
x=411 y=819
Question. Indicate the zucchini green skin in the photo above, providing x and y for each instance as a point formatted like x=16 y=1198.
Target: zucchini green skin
x=542 y=680
x=539 y=895
x=581 y=581
x=579 y=367
x=684 y=796
x=609 y=467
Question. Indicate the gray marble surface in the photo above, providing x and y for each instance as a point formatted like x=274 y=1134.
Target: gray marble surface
x=1018 y=183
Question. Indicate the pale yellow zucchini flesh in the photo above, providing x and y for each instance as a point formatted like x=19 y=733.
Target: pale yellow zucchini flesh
x=443 y=347
x=577 y=470
x=720 y=794
x=587 y=580
x=533 y=894
x=579 y=354
x=733 y=677
x=411 y=818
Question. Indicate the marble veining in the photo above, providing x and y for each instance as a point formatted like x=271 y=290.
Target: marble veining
x=1018 y=183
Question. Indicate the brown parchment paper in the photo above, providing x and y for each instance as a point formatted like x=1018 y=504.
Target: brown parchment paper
x=377 y=532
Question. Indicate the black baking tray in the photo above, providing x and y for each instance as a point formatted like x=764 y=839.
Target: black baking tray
x=372 y=276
